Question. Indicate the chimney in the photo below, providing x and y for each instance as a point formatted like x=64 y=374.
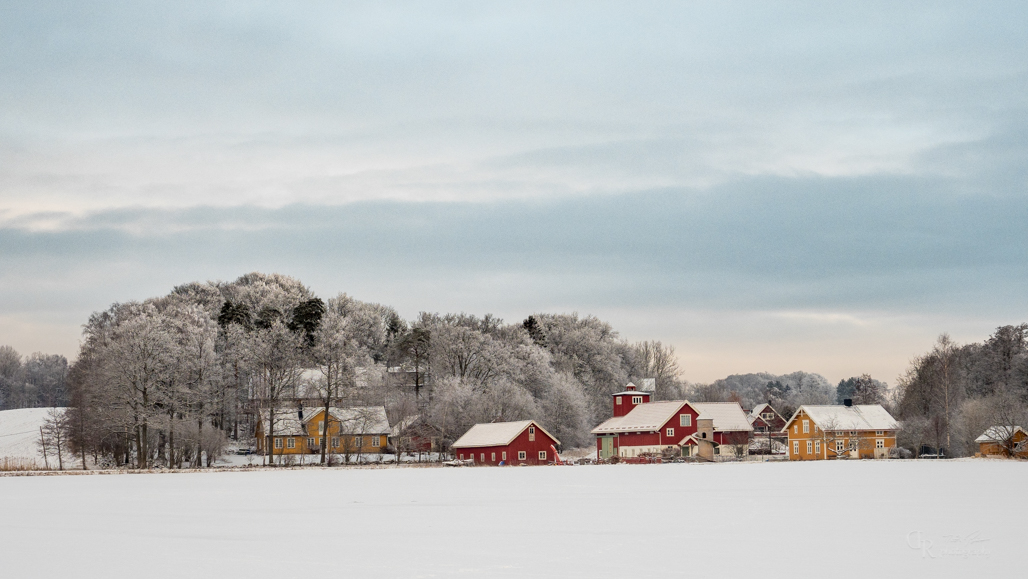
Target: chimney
x=848 y=402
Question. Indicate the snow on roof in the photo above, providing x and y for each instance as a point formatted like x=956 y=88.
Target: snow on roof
x=356 y=420
x=496 y=434
x=727 y=416
x=998 y=433
x=856 y=417
x=642 y=418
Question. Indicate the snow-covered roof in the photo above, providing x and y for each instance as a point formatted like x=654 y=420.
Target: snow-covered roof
x=856 y=417
x=642 y=418
x=727 y=416
x=998 y=433
x=356 y=420
x=496 y=434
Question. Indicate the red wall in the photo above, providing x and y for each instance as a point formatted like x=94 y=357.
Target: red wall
x=626 y=405
x=521 y=442
x=655 y=438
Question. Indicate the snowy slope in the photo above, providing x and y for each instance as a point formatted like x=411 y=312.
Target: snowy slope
x=859 y=519
x=19 y=433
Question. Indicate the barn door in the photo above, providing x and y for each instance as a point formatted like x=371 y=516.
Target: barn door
x=607 y=449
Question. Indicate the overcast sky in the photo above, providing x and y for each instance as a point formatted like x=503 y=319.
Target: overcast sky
x=818 y=187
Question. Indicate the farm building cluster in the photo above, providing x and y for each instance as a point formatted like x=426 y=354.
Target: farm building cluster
x=639 y=429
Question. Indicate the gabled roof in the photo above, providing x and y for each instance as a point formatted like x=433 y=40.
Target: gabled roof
x=643 y=418
x=839 y=417
x=998 y=433
x=496 y=434
x=727 y=416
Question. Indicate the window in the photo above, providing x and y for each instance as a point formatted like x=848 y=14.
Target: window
x=278 y=443
x=493 y=457
x=335 y=442
x=483 y=457
x=522 y=455
x=376 y=441
x=637 y=399
x=321 y=427
x=853 y=444
x=815 y=428
x=462 y=456
x=618 y=400
x=670 y=431
x=806 y=426
x=879 y=443
x=880 y=432
x=809 y=450
x=531 y=433
x=685 y=420
x=795 y=429
x=542 y=455
x=310 y=443
x=768 y=415
x=795 y=447
x=853 y=433
x=817 y=448
x=291 y=443
x=358 y=441
x=839 y=445
x=503 y=456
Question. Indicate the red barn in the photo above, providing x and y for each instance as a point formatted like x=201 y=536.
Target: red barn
x=523 y=442
x=648 y=428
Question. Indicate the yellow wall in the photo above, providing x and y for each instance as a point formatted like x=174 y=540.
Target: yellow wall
x=347 y=442
x=994 y=448
x=865 y=440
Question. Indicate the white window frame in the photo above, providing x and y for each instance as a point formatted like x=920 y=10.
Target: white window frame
x=522 y=455
x=879 y=443
x=817 y=447
x=795 y=428
x=335 y=442
x=310 y=442
x=290 y=443
x=810 y=449
x=542 y=455
x=796 y=447
x=531 y=434
x=278 y=443
x=503 y=456
x=685 y=420
x=637 y=399
x=670 y=432
x=492 y=458
x=880 y=433
x=806 y=427
x=482 y=455
x=617 y=400
x=840 y=445
x=358 y=442
x=376 y=441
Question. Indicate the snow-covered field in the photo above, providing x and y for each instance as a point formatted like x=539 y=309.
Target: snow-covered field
x=865 y=519
x=19 y=434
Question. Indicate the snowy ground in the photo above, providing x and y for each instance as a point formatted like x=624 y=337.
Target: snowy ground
x=865 y=519
x=19 y=434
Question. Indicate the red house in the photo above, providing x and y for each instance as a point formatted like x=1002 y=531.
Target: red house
x=647 y=428
x=523 y=442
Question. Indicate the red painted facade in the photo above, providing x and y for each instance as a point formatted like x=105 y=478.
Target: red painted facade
x=494 y=455
x=625 y=401
x=656 y=438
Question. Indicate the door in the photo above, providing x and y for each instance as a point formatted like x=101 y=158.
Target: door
x=607 y=448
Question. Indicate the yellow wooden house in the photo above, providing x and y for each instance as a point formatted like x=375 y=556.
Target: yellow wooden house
x=360 y=430
x=1003 y=441
x=840 y=431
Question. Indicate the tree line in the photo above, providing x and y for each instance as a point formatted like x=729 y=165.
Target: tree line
x=953 y=393
x=171 y=380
